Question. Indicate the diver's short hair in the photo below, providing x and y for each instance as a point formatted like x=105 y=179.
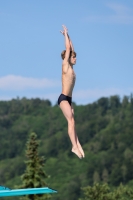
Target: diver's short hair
x=64 y=52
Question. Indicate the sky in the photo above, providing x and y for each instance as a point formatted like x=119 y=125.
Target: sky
x=31 y=45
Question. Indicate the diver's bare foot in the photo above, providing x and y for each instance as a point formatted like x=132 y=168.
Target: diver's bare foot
x=77 y=152
x=80 y=148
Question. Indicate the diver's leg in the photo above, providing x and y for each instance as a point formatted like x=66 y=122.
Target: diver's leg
x=67 y=111
x=78 y=143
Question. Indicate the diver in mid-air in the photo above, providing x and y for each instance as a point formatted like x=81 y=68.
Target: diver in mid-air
x=65 y=99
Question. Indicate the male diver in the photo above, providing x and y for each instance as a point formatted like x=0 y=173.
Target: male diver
x=65 y=99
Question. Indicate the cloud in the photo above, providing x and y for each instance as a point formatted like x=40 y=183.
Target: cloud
x=119 y=8
x=12 y=82
x=79 y=96
x=53 y=96
x=121 y=14
x=91 y=95
x=95 y=93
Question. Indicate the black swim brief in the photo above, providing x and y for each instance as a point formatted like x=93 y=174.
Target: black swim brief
x=63 y=97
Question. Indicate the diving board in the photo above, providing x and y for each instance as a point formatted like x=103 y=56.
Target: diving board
x=4 y=191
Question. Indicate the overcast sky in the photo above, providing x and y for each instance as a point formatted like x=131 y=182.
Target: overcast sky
x=31 y=44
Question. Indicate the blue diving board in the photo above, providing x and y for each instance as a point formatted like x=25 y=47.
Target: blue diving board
x=4 y=191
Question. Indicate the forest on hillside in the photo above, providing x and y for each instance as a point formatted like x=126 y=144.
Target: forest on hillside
x=105 y=130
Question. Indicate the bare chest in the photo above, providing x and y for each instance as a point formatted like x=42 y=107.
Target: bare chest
x=70 y=74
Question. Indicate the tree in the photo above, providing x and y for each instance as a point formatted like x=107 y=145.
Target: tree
x=105 y=175
x=104 y=192
x=114 y=103
x=96 y=177
x=34 y=174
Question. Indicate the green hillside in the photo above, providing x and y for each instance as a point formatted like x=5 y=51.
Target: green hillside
x=105 y=129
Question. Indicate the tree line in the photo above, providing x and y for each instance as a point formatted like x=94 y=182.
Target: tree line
x=104 y=128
